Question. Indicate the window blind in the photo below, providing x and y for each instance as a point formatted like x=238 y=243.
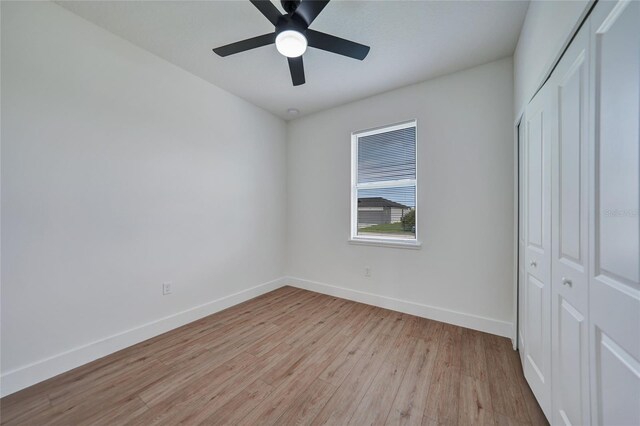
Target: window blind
x=387 y=156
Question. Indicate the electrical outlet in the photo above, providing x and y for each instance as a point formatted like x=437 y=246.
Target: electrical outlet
x=166 y=288
x=367 y=271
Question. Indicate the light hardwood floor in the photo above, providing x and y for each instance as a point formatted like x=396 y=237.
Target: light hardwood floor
x=293 y=357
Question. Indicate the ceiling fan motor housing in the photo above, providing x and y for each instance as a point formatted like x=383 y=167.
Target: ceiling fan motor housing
x=291 y=23
x=290 y=6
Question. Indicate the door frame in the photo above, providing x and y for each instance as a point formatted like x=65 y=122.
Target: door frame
x=515 y=338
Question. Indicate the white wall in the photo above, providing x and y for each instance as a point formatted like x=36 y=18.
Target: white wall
x=546 y=31
x=121 y=171
x=464 y=271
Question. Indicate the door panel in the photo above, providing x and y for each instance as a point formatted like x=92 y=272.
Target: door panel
x=535 y=184
x=536 y=329
x=614 y=272
x=620 y=375
x=537 y=175
x=571 y=107
x=569 y=281
x=569 y=401
x=616 y=62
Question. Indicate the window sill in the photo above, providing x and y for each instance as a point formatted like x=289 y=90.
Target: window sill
x=407 y=244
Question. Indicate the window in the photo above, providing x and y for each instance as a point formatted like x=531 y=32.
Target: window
x=383 y=187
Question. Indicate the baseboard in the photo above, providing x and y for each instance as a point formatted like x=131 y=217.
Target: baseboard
x=475 y=322
x=20 y=378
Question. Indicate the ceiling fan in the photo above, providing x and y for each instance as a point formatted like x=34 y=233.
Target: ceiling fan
x=292 y=35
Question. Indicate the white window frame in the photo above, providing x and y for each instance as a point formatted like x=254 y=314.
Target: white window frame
x=380 y=240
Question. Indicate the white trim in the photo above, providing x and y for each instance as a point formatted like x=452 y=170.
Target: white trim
x=516 y=229
x=22 y=377
x=386 y=242
x=354 y=190
x=384 y=129
x=475 y=322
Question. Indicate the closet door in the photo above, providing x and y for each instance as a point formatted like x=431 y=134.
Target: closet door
x=614 y=272
x=569 y=236
x=539 y=117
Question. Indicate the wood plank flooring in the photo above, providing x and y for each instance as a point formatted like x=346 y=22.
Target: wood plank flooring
x=292 y=357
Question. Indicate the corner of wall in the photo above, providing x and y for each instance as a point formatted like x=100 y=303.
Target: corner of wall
x=20 y=378
x=474 y=322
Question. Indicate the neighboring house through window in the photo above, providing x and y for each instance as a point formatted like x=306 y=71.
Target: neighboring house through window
x=383 y=190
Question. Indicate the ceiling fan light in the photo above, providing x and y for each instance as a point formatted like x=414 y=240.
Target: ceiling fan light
x=291 y=43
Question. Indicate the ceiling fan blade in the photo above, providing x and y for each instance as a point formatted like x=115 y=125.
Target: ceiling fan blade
x=297 y=70
x=248 y=44
x=268 y=9
x=338 y=45
x=310 y=9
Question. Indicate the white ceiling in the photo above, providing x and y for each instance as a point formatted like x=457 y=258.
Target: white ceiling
x=411 y=41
